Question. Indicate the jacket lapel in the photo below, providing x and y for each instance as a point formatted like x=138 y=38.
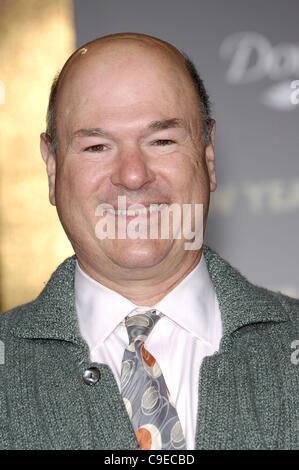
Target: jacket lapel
x=53 y=315
x=75 y=415
x=241 y=303
x=239 y=383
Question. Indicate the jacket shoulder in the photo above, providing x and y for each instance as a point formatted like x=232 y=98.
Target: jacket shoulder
x=291 y=306
x=11 y=317
x=58 y=289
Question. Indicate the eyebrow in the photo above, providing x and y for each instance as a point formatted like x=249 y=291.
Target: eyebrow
x=166 y=124
x=153 y=126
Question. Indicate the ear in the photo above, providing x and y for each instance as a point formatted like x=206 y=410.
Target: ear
x=50 y=161
x=211 y=156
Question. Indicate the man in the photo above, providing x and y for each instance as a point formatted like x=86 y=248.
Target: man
x=140 y=342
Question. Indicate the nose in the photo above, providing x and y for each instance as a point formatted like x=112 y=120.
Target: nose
x=131 y=170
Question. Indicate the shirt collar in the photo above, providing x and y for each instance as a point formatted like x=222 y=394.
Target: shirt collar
x=100 y=309
x=191 y=304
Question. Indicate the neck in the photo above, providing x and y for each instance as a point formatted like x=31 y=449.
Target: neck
x=147 y=291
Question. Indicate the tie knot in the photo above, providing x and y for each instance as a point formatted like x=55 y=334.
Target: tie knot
x=139 y=326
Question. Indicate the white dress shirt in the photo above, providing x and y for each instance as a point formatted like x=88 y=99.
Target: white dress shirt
x=189 y=330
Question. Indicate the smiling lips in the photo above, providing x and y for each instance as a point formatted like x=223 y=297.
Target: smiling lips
x=133 y=212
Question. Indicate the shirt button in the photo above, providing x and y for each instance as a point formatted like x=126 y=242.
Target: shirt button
x=91 y=376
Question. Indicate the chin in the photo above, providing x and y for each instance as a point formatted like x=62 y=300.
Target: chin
x=139 y=253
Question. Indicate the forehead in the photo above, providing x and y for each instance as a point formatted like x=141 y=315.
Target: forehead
x=123 y=79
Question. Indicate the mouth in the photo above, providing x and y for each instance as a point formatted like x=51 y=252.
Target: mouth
x=132 y=211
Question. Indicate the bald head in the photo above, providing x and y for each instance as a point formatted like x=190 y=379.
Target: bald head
x=116 y=57
x=128 y=41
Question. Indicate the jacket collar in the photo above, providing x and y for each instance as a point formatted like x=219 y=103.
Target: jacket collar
x=53 y=316
x=241 y=303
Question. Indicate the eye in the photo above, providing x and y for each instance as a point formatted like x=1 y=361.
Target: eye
x=96 y=148
x=164 y=142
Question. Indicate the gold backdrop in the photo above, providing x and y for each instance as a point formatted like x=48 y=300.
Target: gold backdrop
x=36 y=37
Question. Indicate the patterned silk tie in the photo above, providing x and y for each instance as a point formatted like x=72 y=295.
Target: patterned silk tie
x=153 y=415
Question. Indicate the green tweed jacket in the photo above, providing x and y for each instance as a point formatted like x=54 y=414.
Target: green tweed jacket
x=249 y=389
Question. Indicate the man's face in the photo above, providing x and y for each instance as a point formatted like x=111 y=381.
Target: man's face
x=128 y=124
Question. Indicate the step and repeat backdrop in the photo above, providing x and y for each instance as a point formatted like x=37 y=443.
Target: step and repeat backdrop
x=248 y=56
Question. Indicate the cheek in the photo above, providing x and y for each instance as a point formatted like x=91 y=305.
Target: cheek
x=197 y=181
x=187 y=174
x=80 y=178
x=199 y=166
x=200 y=171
